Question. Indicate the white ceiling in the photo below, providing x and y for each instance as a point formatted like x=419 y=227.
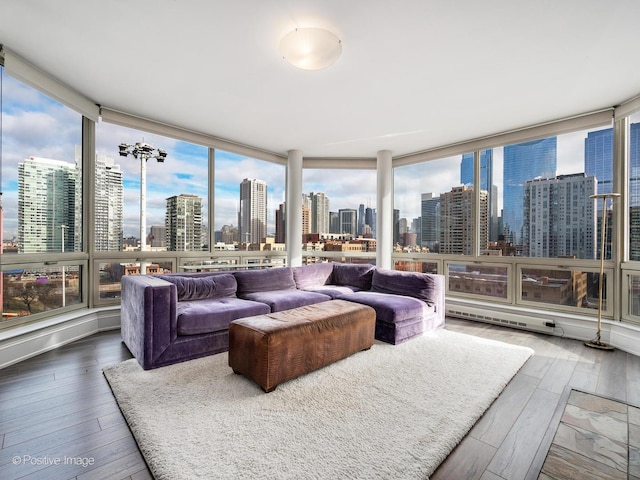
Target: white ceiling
x=414 y=74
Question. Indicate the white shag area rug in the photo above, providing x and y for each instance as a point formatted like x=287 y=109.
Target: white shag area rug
x=389 y=412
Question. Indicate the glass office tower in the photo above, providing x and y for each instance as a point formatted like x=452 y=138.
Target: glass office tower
x=524 y=162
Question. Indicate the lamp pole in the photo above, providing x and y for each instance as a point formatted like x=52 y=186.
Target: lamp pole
x=597 y=342
x=144 y=152
x=64 y=293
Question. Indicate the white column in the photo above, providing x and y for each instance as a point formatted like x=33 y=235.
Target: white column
x=384 y=223
x=294 y=208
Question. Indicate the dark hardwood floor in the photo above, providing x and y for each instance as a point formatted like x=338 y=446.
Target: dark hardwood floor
x=59 y=420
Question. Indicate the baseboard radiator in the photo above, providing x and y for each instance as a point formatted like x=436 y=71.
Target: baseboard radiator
x=505 y=319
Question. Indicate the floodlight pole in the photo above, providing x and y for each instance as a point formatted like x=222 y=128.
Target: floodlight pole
x=144 y=151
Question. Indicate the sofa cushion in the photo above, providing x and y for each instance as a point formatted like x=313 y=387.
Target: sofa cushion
x=392 y=308
x=314 y=275
x=279 y=300
x=213 y=315
x=334 y=291
x=198 y=288
x=353 y=274
x=418 y=285
x=252 y=281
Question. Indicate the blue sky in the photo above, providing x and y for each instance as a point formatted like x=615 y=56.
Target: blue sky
x=34 y=125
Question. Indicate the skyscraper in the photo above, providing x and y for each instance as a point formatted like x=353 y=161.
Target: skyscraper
x=348 y=221
x=253 y=210
x=559 y=217
x=361 y=222
x=48 y=203
x=109 y=201
x=486 y=183
x=306 y=220
x=486 y=169
x=598 y=161
x=430 y=209
x=281 y=223
x=396 y=227
x=522 y=162
x=318 y=212
x=456 y=209
x=183 y=221
x=334 y=222
x=370 y=220
x=158 y=236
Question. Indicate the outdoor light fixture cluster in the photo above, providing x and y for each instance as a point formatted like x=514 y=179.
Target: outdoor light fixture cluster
x=310 y=48
x=142 y=150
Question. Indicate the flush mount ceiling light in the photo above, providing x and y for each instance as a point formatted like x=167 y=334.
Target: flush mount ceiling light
x=310 y=48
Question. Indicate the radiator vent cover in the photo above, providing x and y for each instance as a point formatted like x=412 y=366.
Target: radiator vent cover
x=501 y=318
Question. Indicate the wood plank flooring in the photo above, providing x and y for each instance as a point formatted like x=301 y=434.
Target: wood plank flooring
x=59 y=420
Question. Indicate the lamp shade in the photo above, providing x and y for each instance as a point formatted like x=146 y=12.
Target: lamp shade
x=310 y=48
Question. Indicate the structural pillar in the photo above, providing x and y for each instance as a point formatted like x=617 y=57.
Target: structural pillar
x=294 y=208
x=384 y=232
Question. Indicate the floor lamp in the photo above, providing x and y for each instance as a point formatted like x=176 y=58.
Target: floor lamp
x=596 y=342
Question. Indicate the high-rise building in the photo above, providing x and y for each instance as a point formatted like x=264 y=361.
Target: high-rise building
x=348 y=221
x=486 y=169
x=334 y=222
x=559 y=217
x=183 y=222
x=430 y=210
x=49 y=206
x=486 y=183
x=109 y=203
x=318 y=205
x=403 y=227
x=396 y=226
x=370 y=219
x=456 y=211
x=252 y=217
x=523 y=162
x=281 y=223
x=361 y=221
x=158 y=236
x=306 y=220
x=416 y=227
x=634 y=167
x=598 y=161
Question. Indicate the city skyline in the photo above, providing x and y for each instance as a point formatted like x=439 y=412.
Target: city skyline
x=35 y=125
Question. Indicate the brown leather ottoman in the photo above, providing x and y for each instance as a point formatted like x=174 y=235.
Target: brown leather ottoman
x=273 y=348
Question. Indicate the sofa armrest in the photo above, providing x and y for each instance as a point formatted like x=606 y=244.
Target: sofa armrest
x=428 y=287
x=148 y=316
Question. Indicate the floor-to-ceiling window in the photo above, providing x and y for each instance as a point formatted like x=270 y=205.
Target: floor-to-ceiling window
x=41 y=222
x=249 y=196
x=531 y=225
x=544 y=209
x=631 y=274
x=151 y=196
x=513 y=222
x=339 y=215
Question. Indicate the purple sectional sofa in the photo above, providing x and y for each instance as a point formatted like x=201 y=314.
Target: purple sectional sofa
x=171 y=318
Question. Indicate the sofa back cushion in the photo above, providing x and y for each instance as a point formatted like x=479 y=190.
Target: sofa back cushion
x=315 y=275
x=253 y=281
x=353 y=275
x=201 y=287
x=419 y=285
